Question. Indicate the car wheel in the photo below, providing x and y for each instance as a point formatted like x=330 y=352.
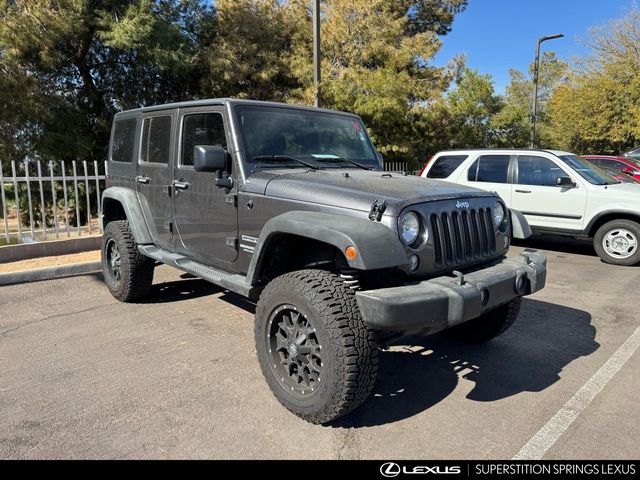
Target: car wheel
x=127 y=273
x=616 y=242
x=316 y=353
x=487 y=326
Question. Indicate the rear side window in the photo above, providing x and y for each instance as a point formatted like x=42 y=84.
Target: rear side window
x=124 y=134
x=490 y=168
x=156 y=140
x=445 y=165
x=201 y=129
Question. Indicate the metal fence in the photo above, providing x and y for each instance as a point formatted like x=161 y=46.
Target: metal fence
x=58 y=198
x=42 y=201
x=398 y=167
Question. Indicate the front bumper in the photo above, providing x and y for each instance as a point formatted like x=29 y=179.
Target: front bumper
x=439 y=303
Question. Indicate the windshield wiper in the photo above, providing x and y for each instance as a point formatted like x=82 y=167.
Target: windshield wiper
x=336 y=159
x=280 y=158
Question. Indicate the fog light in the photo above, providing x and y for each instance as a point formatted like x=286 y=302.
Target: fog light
x=414 y=263
x=521 y=284
x=484 y=297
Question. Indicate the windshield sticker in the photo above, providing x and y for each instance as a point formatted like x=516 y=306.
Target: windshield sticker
x=325 y=155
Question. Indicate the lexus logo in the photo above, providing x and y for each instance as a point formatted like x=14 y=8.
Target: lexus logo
x=462 y=204
x=391 y=470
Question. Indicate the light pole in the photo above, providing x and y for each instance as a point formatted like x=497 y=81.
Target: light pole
x=316 y=51
x=536 y=68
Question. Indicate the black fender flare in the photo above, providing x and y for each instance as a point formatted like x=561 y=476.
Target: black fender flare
x=133 y=210
x=377 y=245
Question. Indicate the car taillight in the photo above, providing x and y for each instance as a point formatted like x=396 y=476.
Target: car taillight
x=424 y=166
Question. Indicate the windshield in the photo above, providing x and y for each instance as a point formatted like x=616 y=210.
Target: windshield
x=588 y=170
x=314 y=136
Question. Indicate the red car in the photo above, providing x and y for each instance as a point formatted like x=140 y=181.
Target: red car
x=625 y=165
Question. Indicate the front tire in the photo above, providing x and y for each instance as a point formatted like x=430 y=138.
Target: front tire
x=616 y=242
x=127 y=273
x=315 y=351
x=490 y=325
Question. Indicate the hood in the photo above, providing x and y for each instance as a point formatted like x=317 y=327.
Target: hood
x=622 y=191
x=357 y=189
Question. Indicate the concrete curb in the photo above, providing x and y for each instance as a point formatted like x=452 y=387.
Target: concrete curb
x=15 y=253
x=49 y=273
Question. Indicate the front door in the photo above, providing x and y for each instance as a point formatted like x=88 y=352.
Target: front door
x=155 y=162
x=205 y=215
x=543 y=203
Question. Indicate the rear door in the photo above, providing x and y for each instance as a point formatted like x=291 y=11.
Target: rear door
x=205 y=215
x=491 y=172
x=155 y=159
x=542 y=202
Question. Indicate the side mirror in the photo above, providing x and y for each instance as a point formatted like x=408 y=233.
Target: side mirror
x=213 y=158
x=379 y=156
x=209 y=158
x=565 y=182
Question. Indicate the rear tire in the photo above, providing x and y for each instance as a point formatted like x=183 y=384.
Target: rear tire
x=127 y=273
x=490 y=325
x=617 y=242
x=315 y=351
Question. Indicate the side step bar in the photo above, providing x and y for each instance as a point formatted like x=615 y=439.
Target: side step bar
x=230 y=281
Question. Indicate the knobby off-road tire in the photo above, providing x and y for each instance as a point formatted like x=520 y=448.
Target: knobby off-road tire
x=618 y=242
x=316 y=353
x=487 y=326
x=127 y=273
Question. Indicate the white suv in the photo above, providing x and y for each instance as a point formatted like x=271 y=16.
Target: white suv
x=558 y=192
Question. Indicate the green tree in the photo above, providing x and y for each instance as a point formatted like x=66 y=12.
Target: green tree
x=598 y=111
x=512 y=125
x=82 y=60
x=376 y=56
x=250 y=57
x=472 y=104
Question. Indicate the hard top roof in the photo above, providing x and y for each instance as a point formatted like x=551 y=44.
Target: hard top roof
x=225 y=101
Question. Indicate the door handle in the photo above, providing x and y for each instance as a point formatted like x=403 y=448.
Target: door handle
x=523 y=191
x=142 y=179
x=180 y=185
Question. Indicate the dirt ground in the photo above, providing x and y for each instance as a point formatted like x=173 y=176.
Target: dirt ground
x=44 y=262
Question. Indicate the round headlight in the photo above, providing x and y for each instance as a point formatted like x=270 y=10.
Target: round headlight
x=498 y=214
x=409 y=228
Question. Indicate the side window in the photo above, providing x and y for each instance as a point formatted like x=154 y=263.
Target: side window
x=534 y=170
x=201 y=129
x=124 y=134
x=490 y=168
x=156 y=140
x=445 y=165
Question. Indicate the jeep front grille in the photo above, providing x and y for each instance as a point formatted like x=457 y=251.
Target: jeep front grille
x=460 y=237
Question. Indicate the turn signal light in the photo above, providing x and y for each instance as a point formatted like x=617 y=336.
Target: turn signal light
x=350 y=253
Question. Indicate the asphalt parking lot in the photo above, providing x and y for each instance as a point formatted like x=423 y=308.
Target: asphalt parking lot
x=84 y=376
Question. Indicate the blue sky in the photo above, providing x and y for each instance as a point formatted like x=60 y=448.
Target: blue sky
x=497 y=35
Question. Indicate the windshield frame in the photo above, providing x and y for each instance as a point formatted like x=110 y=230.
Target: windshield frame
x=249 y=157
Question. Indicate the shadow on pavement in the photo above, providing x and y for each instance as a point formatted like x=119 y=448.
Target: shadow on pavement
x=527 y=358
x=559 y=244
x=186 y=289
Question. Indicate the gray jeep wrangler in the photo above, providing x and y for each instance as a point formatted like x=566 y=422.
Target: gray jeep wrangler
x=289 y=207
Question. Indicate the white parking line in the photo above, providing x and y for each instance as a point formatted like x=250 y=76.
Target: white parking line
x=544 y=439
